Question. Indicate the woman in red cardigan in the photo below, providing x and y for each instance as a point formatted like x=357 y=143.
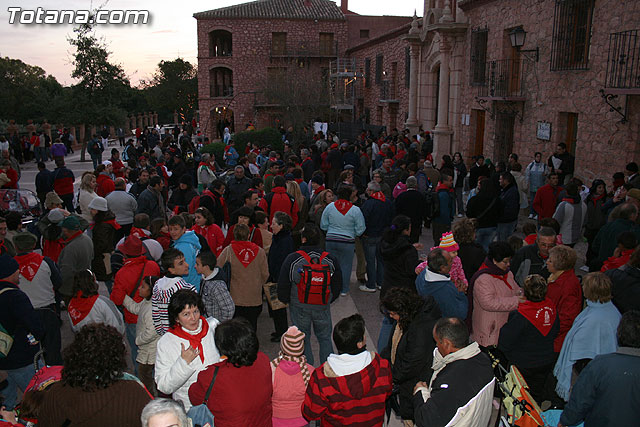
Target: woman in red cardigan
x=241 y=392
x=564 y=289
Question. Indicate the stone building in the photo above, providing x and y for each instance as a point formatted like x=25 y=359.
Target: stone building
x=249 y=53
x=502 y=76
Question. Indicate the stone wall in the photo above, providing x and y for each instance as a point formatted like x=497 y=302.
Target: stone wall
x=604 y=145
x=250 y=60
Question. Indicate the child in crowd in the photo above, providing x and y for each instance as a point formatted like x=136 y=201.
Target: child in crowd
x=87 y=306
x=529 y=230
x=214 y=289
x=450 y=246
x=146 y=335
x=204 y=226
x=188 y=243
x=175 y=266
x=290 y=375
x=160 y=232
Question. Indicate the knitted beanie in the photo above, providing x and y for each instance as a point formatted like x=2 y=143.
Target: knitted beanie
x=448 y=243
x=8 y=266
x=292 y=342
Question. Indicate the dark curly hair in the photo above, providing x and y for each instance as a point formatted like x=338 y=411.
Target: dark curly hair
x=236 y=339
x=403 y=301
x=95 y=359
x=182 y=299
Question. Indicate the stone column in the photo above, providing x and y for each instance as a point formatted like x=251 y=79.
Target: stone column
x=175 y=117
x=442 y=131
x=412 y=119
x=81 y=132
x=155 y=119
x=139 y=122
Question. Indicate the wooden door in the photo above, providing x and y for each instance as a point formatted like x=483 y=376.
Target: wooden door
x=504 y=137
x=572 y=132
x=478 y=147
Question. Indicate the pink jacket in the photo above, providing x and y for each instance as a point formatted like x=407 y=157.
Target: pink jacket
x=456 y=273
x=288 y=394
x=492 y=303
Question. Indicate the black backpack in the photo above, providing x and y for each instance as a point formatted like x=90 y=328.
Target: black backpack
x=433 y=204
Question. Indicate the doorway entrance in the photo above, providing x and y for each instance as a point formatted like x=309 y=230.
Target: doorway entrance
x=221 y=117
x=503 y=137
x=478 y=117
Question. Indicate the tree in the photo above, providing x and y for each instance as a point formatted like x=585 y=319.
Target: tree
x=173 y=87
x=98 y=95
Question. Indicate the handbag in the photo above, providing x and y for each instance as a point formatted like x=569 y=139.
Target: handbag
x=6 y=340
x=200 y=415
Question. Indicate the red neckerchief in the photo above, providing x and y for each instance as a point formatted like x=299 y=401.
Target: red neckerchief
x=80 y=307
x=615 y=262
x=596 y=198
x=541 y=314
x=299 y=180
x=111 y=222
x=245 y=251
x=378 y=195
x=531 y=239
x=138 y=232
x=29 y=264
x=73 y=236
x=212 y=168
x=343 y=206
x=441 y=186
x=195 y=341
x=3 y=247
x=492 y=270
x=569 y=200
x=319 y=190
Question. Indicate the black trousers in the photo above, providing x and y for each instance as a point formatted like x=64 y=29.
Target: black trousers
x=52 y=340
x=250 y=313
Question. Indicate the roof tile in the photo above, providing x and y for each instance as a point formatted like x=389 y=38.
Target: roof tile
x=322 y=10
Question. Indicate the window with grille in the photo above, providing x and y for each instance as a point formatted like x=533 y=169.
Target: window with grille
x=379 y=69
x=478 y=56
x=407 y=66
x=367 y=72
x=571 y=35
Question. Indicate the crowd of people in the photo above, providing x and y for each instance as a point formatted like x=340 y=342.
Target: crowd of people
x=162 y=259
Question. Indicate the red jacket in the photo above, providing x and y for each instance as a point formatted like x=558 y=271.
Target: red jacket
x=356 y=399
x=214 y=236
x=126 y=280
x=566 y=294
x=118 y=167
x=546 y=200
x=105 y=185
x=280 y=201
x=13 y=176
x=240 y=396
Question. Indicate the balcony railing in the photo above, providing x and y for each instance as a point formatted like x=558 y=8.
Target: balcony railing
x=304 y=49
x=503 y=79
x=623 y=63
x=388 y=91
x=221 y=91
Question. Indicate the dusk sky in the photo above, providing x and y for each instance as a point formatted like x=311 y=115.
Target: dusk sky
x=170 y=33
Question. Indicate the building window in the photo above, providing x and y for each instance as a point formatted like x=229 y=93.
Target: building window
x=367 y=115
x=278 y=43
x=327 y=47
x=407 y=66
x=219 y=43
x=364 y=34
x=571 y=35
x=367 y=72
x=220 y=82
x=379 y=59
x=478 y=56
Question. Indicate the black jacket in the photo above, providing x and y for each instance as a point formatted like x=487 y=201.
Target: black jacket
x=625 y=287
x=400 y=260
x=377 y=216
x=472 y=256
x=476 y=172
x=181 y=198
x=413 y=204
x=510 y=204
x=414 y=354
x=486 y=208
x=281 y=247
x=524 y=345
x=528 y=261
x=291 y=269
x=235 y=190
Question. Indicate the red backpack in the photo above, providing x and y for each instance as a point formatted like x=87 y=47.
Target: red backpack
x=315 y=280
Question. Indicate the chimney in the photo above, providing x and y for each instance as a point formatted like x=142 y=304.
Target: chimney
x=344 y=6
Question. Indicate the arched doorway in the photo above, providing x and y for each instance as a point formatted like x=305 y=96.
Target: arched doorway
x=220 y=118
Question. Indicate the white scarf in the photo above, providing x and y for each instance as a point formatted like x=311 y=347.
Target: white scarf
x=440 y=362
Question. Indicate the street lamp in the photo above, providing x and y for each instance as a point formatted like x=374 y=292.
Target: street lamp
x=518 y=36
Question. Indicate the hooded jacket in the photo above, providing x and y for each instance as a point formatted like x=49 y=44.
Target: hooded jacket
x=451 y=302
x=76 y=255
x=126 y=282
x=105 y=184
x=355 y=399
x=400 y=259
x=189 y=245
x=280 y=200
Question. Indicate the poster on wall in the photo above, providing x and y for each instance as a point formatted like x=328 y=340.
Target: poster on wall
x=544 y=131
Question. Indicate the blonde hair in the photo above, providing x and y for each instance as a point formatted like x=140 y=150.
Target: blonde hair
x=293 y=188
x=597 y=287
x=85 y=182
x=564 y=257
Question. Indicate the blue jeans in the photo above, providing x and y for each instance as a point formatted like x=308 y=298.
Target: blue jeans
x=96 y=159
x=304 y=316
x=375 y=270
x=506 y=229
x=19 y=377
x=40 y=154
x=130 y=332
x=386 y=329
x=344 y=252
x=484 y=236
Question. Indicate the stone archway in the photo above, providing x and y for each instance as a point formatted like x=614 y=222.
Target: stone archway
x=221 y=117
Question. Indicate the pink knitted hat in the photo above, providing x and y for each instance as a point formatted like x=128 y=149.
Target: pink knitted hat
x=448 y=243
x=292 y=342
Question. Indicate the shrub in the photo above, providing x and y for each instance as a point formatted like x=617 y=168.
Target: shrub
x=262 y=137
x=217 y=149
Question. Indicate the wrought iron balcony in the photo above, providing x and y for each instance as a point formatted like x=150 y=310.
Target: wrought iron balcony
x=503 y=80
x=623 y=62
x=388 y=91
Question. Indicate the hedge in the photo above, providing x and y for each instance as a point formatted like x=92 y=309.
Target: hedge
x=262 y=137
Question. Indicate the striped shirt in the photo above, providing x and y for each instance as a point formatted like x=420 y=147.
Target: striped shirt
x=162 y=292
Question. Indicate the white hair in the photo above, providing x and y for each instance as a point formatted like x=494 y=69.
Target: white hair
x=164 y=406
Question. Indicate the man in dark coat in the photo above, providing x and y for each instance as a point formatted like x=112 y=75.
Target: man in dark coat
x=413 y=204
x=510 y=199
